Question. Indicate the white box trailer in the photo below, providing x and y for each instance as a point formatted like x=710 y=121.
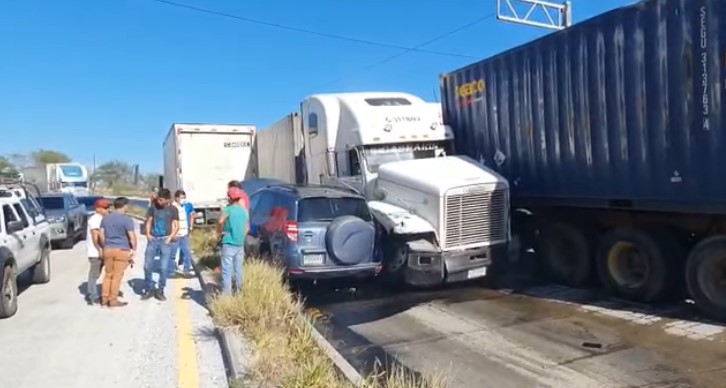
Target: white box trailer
x=279 y=150
x=202 y=158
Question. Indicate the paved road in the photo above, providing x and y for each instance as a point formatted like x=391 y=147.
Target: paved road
x=545 y=336
x=56 y=340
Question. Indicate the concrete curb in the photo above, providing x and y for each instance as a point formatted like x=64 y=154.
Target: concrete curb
x=231 y=339
x=235 y=349
x=343 y=366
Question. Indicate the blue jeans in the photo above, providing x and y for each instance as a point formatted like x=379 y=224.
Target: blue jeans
x=181 y=244
x=232 y=257
x=156 y=247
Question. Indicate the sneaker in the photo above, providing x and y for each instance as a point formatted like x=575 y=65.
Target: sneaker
x=116 y=303
x=160 y=295
x=91 y=300
x=147 y=295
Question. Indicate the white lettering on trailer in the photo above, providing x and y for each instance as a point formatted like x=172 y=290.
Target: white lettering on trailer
x=704 y=68
x=236 y=144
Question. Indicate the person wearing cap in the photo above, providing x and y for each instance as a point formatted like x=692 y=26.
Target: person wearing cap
x=94 y=250
x=231 y=229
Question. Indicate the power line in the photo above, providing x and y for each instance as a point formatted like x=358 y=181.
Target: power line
x=415 y=48
x=306 y=31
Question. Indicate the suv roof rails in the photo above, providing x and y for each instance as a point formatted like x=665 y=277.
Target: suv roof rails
x=9 y=182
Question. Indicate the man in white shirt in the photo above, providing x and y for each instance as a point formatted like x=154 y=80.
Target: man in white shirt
x=94 y=249
x=181 y=244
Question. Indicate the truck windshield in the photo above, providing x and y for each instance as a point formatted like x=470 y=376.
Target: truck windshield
x=52 y=202
x=377 y=156
x=72 y=171
x=327 y=209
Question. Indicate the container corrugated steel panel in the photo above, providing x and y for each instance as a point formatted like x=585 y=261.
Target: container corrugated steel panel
x=280 y=150
x=625 y=109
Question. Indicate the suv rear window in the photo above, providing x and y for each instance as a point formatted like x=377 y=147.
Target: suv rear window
x=327 y=209
x=52 y=202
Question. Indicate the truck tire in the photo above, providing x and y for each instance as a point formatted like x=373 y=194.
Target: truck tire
x=41 y=271
x=70 y=241
x=395 y=257
x=8 y=293
x=637 y=265
x=566 y=254
x=706 y=276
x=349 y=240
x=84 y=226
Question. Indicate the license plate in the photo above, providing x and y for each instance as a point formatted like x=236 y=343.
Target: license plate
x=313 y=259
x=477 y=272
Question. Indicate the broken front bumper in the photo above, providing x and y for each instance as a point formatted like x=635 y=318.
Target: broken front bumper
x=426 y=268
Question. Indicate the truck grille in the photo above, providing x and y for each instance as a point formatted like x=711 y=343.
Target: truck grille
x=476 y=217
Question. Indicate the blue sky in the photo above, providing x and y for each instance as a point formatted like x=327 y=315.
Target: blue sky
x=110 y=76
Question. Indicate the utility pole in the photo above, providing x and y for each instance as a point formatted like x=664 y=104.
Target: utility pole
x=553 y=16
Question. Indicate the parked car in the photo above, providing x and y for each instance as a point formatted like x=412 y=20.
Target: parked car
x=89 y=201
x=24 y=244
x=315 y=231
x=67 y=218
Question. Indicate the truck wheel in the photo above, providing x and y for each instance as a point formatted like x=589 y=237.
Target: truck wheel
x=637 y=265
x=41 y=271
x=706 y=276
x=566 y=254
x=394 y=263
x=84 y=225
x=8 y=293
x=69 y=242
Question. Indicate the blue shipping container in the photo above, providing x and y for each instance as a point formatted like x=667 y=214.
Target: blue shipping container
x=627 y=109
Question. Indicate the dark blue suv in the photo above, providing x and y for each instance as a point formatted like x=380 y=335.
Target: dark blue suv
x=316 y=231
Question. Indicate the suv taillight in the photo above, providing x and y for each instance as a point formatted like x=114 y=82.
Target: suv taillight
x=291 y=230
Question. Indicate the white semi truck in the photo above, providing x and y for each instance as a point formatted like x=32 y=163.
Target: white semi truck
x=68 y=177
x=445 y=217
x=202 y=158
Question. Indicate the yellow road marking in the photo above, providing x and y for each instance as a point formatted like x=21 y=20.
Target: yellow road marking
x=187 y=353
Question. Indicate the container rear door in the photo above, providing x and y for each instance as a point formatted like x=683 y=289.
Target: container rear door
x=209 y=161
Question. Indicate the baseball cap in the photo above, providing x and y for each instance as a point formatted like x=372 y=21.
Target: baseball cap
x=102 y=203
x=234 y=193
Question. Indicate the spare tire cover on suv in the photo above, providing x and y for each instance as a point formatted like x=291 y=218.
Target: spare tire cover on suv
x=349 y=240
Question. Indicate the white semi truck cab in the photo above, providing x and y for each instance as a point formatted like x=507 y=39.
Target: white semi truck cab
x=445 y=217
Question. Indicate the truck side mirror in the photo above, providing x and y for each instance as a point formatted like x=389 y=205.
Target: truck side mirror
x=14 y=226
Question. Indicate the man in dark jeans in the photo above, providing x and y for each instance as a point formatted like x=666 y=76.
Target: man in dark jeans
x=162 y=224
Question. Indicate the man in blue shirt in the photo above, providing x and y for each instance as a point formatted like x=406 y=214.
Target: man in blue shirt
x=118 y=244
x=162 y=224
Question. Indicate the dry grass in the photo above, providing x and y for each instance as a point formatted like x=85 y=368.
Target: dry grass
x=272 y=318
x=137 y=211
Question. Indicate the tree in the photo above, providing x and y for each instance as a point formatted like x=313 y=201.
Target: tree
x=149 y=181
x=114 y=173
x=42 y=156
x=6 y=166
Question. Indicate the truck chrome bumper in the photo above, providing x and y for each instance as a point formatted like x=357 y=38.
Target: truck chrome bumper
x=432 y=268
